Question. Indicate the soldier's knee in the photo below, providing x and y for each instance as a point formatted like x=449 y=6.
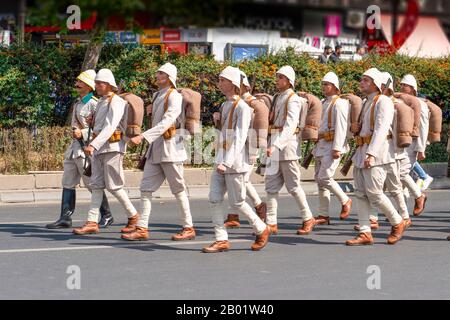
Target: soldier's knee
x=360 y=194
x=323 y=182
x=236 y=206
x=215 y=198
x=375 y=199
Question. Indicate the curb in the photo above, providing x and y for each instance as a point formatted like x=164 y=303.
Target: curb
x=45 y=186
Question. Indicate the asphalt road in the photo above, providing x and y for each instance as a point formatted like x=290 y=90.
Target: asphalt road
x=36 y=263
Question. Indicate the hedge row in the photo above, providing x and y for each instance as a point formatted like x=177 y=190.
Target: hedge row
x=36 y=83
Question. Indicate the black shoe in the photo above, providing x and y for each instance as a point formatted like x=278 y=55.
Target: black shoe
x=106 y=217
x=106 y=221
x=67 y=209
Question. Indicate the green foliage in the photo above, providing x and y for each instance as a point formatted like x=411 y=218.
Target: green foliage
x=36 y=83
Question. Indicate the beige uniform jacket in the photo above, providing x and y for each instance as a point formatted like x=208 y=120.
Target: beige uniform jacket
x=166 y=150
x=287 y=142
x=110 y=116
x=381 y=148
x=339 y=125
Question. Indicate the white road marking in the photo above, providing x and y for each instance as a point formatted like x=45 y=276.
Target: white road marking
x=133 y=244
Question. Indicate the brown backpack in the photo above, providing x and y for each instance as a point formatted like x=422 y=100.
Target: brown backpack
x=405 y=123
x=260 y=120
x=192 y=108
x=355 y=110
x=135 y=114
x=414 y=103
x=435 y=127
x=311 y=119
x=266 y=98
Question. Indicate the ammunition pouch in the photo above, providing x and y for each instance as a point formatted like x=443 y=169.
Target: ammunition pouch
x=170 y=133
x=116 y=136
x=327 y=136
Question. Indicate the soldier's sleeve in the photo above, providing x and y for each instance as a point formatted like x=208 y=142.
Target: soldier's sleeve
x=239 y=137
x=341 y=112
x=74 y=122
x=169 y=118
x=92 y=107
x=113 y=117
x=423 y=131
x=290 y=125
x=384 y=115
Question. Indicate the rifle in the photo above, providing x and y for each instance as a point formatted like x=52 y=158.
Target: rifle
x=142 y=158
x=87 y=169
x=348 y=162
x=308 y=155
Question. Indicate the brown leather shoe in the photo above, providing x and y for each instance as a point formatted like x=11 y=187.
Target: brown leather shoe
x=373 y=225
x=217 y=246
x=345 y=211
x=407 y=223
x=232 y=221
x=261 y=240
x=185 y=234
x=139 y=234
x=273 y=228
x=396 y=233
x=88 y=228
x=322 y=220
x=419 y=205
x=362 y=239
x=307 y=227
x=131 y=225
x=261 y=211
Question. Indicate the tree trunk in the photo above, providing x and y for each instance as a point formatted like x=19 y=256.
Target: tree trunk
x=92 y=55
x=22 y=15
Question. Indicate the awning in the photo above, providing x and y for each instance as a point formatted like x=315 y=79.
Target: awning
x=428 y=40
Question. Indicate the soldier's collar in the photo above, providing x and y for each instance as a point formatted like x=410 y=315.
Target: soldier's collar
x=331 y=97
x=87 y=97
x=287 y=91
x=234 y=98
x=246 y=95
x=164 y=90
x=372 y=95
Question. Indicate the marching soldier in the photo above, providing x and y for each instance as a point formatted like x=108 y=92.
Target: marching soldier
x=165 y=155
x=374 y=154
x=232 y=164
x=394 y=175
x=395 y=178
x=107 y=151
x=260 y=206
x=416 y=151
x=331 y=146
x=74 y=157
x=283 y=151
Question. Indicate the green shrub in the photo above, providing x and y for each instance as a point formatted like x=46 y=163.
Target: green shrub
x=36 y=83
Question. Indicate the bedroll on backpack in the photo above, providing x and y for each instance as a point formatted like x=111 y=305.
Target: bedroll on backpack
x=192 y=107
x=413 y=103
x=260 y=121
x=135 y=114
x=435 y=127
x=405 y=124
x=355 y=110
x=312 y=118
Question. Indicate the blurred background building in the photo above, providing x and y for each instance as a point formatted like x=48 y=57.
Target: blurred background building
x=249 y=28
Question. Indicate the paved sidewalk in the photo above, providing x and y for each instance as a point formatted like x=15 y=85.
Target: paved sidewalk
x=195 y=192
x=46 y=186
